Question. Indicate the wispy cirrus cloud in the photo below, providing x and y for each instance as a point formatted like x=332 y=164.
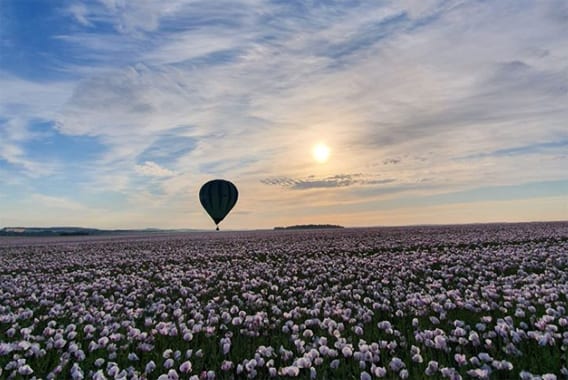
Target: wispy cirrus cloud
x=152 y=169
x=313 y=182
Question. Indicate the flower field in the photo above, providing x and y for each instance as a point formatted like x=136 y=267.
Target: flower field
x=453 y=302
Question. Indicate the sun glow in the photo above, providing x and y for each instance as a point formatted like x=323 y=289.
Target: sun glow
x=321 y=152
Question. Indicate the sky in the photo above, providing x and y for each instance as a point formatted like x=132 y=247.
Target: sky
x=113 y=113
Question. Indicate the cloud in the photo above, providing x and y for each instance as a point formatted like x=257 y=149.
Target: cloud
x=557 y=147
x=336 y=181
x=152 y=169
x=80 y=13
x=168 y=147
x=391 y=161
x=56 y=202
x=23 y=102
x=14 y=133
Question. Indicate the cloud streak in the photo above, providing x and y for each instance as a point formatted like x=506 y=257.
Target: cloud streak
x=336 y=181
x=152 y=169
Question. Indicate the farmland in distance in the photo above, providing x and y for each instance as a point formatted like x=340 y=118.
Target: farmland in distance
x=430 y=302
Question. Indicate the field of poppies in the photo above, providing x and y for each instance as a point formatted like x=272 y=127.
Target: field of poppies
x=453 y=302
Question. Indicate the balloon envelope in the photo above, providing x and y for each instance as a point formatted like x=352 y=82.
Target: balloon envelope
x=218 y=197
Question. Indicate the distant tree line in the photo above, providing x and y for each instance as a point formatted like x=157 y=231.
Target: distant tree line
x=308 y=227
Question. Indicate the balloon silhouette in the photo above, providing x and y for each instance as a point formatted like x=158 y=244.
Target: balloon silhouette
x=218 y=197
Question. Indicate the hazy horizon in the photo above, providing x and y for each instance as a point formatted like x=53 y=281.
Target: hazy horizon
x=357 y=113
x=211 y=228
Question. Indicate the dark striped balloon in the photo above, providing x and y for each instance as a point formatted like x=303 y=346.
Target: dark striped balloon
x=218 y=197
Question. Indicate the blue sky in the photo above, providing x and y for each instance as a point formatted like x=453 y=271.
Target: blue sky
x=113 y=113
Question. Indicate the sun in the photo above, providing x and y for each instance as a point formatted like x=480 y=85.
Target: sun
x=321 y=152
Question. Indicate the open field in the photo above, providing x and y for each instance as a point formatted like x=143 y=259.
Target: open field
x=479 y=301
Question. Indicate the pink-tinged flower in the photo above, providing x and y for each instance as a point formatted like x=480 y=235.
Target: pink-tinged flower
x=432 y=368
x=25 y=370
x=226 y=365
x=458 y=331
x=474 y=360
x=185 y=367
x=59 y=343
x=77 y=372
x=48 y=331
x=506 y=365
x=79 y=355
x=145 y=347
x=112 y=369
x=167 y=353
x=308 y=333
x=547 y=339
x=226 y=348
x=440 y=342
x=417 y=358
x=172 y=375
x=150 y=367
x=303 y=363
x=93 y=346
x=5 y=348
x=89 y=329
x=396 y=364
x=313 y=373
x=250 y=365
x=460 y=359
x=240 y=369
x=102 y=342
x=380 y=372
x=272 y=372
x=450 y=373
x=384 y=325
x=479 y=373
x=474 y=338
x=347 y=351
x=291 y=371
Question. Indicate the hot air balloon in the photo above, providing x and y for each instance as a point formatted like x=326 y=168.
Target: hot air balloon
x=218 y=197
